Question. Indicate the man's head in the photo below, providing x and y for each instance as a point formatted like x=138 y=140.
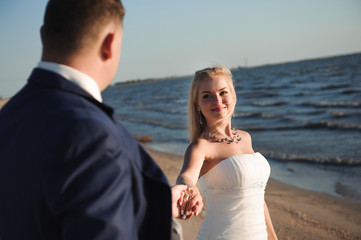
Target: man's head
x=72 y=25
x=84 y=34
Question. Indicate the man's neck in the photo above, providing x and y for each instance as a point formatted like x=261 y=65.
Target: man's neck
x=86 y=82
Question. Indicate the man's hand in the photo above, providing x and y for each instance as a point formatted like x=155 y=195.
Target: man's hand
x=177 y=191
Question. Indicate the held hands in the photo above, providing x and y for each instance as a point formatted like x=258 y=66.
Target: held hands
x=186 y=201
x=190 y=202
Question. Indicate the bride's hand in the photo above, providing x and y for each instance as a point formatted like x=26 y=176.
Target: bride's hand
x=190 y=202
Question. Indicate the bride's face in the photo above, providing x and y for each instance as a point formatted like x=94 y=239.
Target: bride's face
x=215 y=98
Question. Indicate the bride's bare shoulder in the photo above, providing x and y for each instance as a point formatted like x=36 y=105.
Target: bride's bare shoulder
x=196 y=150
x=198 y=145
x=245 y=136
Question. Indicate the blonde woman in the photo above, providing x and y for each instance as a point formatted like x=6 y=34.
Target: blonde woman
x=231 y=175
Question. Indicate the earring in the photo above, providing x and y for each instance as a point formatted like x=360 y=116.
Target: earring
x=200 y=118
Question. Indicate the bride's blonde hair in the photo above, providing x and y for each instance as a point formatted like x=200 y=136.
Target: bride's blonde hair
x=196 y=120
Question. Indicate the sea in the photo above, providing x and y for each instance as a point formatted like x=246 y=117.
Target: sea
x=304 y=117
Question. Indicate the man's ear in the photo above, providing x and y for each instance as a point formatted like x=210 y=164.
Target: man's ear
x=42 y=34
x=107 y=46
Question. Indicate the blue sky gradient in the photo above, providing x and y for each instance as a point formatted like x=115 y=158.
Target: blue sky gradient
x=167 y=38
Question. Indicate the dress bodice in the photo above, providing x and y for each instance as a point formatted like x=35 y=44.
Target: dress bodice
x=234 y=191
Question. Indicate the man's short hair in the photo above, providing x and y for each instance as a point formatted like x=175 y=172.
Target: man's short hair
x=70 y=25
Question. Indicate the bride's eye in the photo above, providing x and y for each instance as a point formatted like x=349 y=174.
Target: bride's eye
x=205 y=96
x=223 y=93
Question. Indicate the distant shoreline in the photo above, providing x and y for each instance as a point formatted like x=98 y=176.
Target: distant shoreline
x=145 y=80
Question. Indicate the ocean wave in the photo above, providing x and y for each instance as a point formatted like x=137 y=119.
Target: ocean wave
x=351 y=91
x=338 y=114
x=314 y=112
x=152 y=122
x=254 y=115
x=299 y=94
x=297 y=81
x=181 y=101
x=162 y=110
x=139 y=104
x=312 y=159
x=247 y=115
x=332 y=104
x=311 y=125
x=347 y=191
x=163 y=98
x=335 y=86
x=264 y=104
x=258 y=94
x=333 y=125
x=270 y=87
x=332 y=74
x=268 y=115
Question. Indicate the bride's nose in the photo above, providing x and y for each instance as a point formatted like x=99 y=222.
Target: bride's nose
x=218 y=99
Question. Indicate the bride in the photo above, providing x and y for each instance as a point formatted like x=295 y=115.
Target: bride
x=231 y=175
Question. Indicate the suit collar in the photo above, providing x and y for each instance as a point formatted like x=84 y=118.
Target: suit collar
x=51 y=80
x=80 y=79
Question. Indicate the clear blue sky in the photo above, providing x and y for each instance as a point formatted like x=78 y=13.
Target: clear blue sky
x=167 y=37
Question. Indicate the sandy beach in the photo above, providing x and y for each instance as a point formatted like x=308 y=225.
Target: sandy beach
x=296 y=213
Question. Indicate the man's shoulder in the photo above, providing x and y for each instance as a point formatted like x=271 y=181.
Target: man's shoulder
x=56 y=107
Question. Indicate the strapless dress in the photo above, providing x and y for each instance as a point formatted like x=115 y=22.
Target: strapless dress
x=234 y=190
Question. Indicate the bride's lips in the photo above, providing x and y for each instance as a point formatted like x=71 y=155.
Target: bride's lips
x=217 y=109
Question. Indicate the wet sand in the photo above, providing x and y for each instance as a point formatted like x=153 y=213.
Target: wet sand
x=296 y=213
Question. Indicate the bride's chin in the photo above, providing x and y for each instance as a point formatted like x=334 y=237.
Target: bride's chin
x=215 y=120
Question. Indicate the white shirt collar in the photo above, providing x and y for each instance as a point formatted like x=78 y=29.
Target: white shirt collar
x=84 y=81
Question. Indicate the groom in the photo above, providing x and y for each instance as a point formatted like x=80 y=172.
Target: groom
x=68 y=169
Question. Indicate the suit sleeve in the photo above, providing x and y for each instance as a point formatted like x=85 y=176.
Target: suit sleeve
x=88 y=188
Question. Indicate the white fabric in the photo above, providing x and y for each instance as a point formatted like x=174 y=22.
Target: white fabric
x=234 y=190
x=84 y=81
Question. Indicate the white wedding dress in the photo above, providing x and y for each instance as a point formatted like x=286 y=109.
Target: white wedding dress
x=234 y=190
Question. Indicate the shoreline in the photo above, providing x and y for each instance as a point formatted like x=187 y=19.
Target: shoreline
x=296 y=213
x=331 y=179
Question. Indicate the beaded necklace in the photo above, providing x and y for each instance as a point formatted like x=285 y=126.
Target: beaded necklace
x=234 y=139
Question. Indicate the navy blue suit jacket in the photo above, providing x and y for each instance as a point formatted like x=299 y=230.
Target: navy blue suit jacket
x=69 y=170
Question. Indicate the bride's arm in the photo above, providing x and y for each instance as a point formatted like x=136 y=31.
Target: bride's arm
x=193 y=161
x=189 y=174
x=270 y=230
